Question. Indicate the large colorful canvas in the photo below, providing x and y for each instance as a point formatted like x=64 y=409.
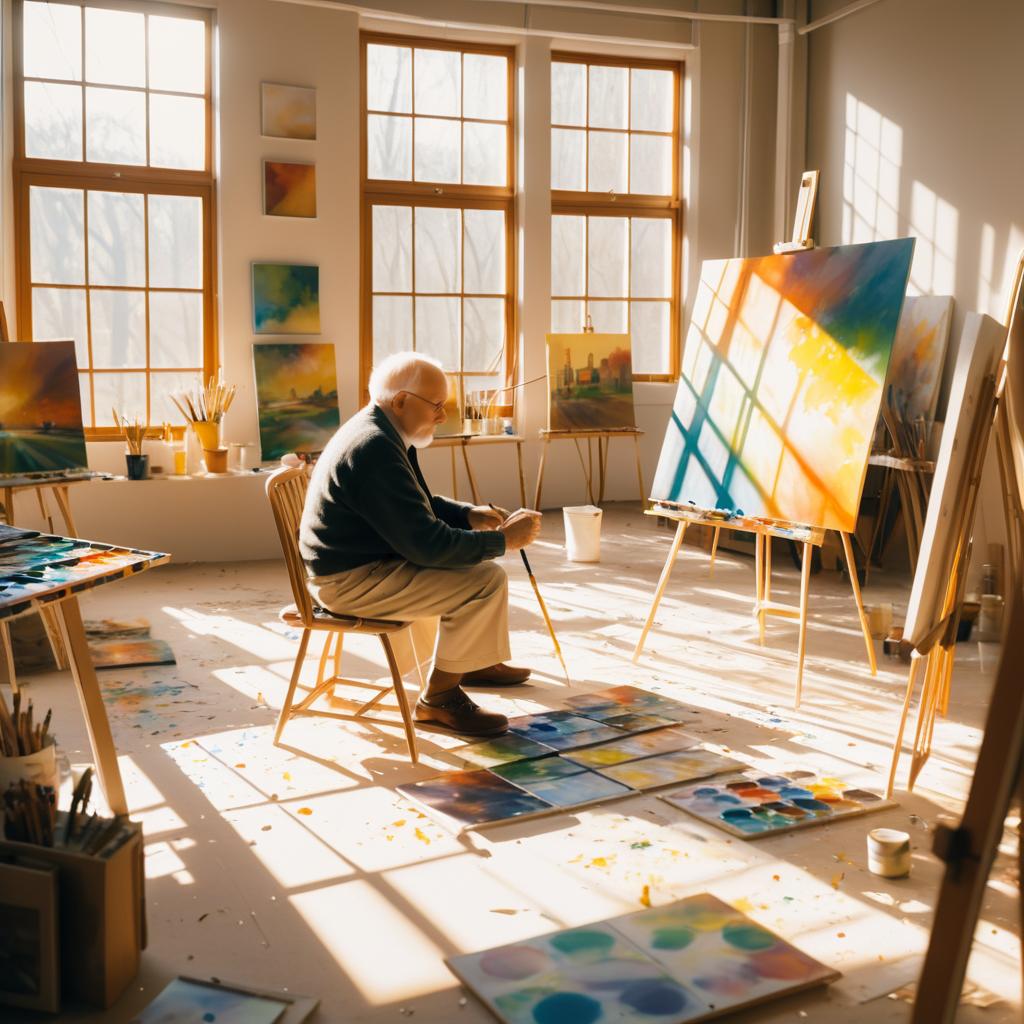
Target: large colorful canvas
x=679 y=964
x=754 y=804
x=579 y=976
x=611 y=706
x=561 y=783
x=130 y=652
x=725 y=959
x=502 y=750
x=670 y=769
x=590 y=382
x=285 y=298
x=289 y=190
x=40 y=409
x=296 y=397
x=782 y=378
x=562 y=730
x=647 y=744
x=185 y=1001
x=473 y=798
x=919 y=354
x=289 y=111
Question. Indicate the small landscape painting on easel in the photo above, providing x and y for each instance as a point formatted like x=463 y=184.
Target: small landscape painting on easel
x=590 y=382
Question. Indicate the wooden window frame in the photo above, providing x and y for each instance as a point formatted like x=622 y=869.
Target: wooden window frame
x=382 y=192
x=604 y=204
x=93 y=176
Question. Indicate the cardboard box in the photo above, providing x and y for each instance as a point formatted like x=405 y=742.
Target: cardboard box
x=29 y=953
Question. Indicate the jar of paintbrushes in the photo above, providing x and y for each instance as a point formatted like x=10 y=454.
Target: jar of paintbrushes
x=204 y=409
x=134 y=433
x=28 y=753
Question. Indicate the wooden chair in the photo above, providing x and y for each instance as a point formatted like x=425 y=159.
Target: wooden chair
x=286 y=489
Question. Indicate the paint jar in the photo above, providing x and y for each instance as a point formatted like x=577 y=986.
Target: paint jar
x=137 y=466
x=180 y=460
x=238 y=457
x=216 y=460
x=582 y=533
x=39 y=769
x=889 y=853
x=879 y=619
x=990 y=621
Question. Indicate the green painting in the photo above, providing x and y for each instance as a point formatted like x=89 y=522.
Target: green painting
x=285 y=298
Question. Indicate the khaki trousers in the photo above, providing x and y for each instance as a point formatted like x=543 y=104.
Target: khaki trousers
x=472 y=605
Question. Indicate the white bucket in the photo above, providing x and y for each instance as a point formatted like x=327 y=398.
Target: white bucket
x=40 y=768
x=582 y=533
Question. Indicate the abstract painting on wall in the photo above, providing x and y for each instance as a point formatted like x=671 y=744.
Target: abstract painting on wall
x=590 y=382
x=285 y=298
x=40 y=409
x=289 y=190
x=684 y=962
x=296 y=397
x=754 y=804
x=919 y=354
x=782 y=378
x=289 y=111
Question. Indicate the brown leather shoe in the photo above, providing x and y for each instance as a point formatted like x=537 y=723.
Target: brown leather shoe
x=496 y=675
x=455 y=712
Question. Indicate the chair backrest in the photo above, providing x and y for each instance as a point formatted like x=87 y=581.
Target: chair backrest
x=286 y=489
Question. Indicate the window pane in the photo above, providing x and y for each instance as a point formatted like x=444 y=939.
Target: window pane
x=124 y=391
x=649 y=331
x=438 y=82
x=569 y=94
x=392 y=242
x=437 y=150
x=484 y=259
x=57 y=218
x=650 y=165
x=438 y=250
x=437 y=329
x=115 y=47
x=392 y=325
x=483 y=155
x=608 y=317
x=651 y=257
x=118 y=329
x=568 y=238
x=53 y=121
x=607 y=162
x=486 y=86
x=177 y=54
x=567 y=317
x=484 y=339
x=608 y=92
x=161 y=385
x=389 y=147
x=175 y=242
x=568 y=159
x=117 y=241
x=59 y=314
x=389 y=78
x=607 y=256
x=651 y=100
x=115 y=126
x=175 y=329
x=177 y=132
x=53 y=41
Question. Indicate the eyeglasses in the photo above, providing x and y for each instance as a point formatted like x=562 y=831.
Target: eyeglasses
x=436 y=406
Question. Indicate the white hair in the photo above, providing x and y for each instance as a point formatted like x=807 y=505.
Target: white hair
x=402 y=371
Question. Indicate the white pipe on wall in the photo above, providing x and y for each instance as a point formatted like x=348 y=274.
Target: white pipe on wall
x=827 y=19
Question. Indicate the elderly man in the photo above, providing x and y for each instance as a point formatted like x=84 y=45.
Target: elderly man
x=376 y=543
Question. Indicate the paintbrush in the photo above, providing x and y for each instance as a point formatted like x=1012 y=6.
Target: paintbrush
x=543 y=607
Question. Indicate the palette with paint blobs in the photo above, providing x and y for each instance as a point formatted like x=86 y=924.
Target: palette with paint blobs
x=754 y=804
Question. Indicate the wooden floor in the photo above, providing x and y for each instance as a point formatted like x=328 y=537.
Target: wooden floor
x=300 y=868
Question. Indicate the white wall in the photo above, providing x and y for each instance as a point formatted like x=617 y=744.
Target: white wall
x=264 y=40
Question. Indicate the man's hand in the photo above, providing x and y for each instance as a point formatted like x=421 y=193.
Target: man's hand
x=487 y=517
x=520 y=529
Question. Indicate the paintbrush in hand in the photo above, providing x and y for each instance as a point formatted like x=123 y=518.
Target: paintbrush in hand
x=543 y=607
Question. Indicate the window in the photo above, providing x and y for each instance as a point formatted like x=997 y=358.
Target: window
x=437 y=206
x=616 y=230
x=113 y=198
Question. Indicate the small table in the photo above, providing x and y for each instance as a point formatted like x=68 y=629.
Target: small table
x=603 y=438
x=467 y=441
x=48 y=571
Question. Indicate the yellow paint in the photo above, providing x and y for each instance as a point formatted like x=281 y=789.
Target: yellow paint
x=422 y=836
x=645 y=896
x=305 y=810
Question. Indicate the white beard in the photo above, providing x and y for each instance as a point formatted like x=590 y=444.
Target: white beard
x=423 y=441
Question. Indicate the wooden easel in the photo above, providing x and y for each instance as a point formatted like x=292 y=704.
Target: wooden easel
x=467 y=441
x=970 y=849
x=763 y=530
x=603 y=438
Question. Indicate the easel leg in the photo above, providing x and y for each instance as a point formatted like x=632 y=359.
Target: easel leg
x=63 y=500
x=805 y=589
x=96 y=723
x=8 y=651
x=455 y=477
x=469 y=473
x=714 y=551
x=767 y=567
x=666 y=572
x=44 y=510
x=897 y=745
x=851 y=568
x=522 y=479
x=540 y=474
x=639 y=470
x=583 y=466
x=603 y=444
x=759 y=585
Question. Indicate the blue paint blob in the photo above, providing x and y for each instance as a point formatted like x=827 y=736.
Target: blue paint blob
x=735 y=814
x=208 y=1017
x=726 y=798
x=705 y=791
x=810 y=804
x=791 y=792
x=654 y=996
x=567 y=1008
x=573 y=943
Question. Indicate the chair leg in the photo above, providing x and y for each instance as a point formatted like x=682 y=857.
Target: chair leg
x=289 y=696
x=400 y=695
x=324 y=655
x=337 y=660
